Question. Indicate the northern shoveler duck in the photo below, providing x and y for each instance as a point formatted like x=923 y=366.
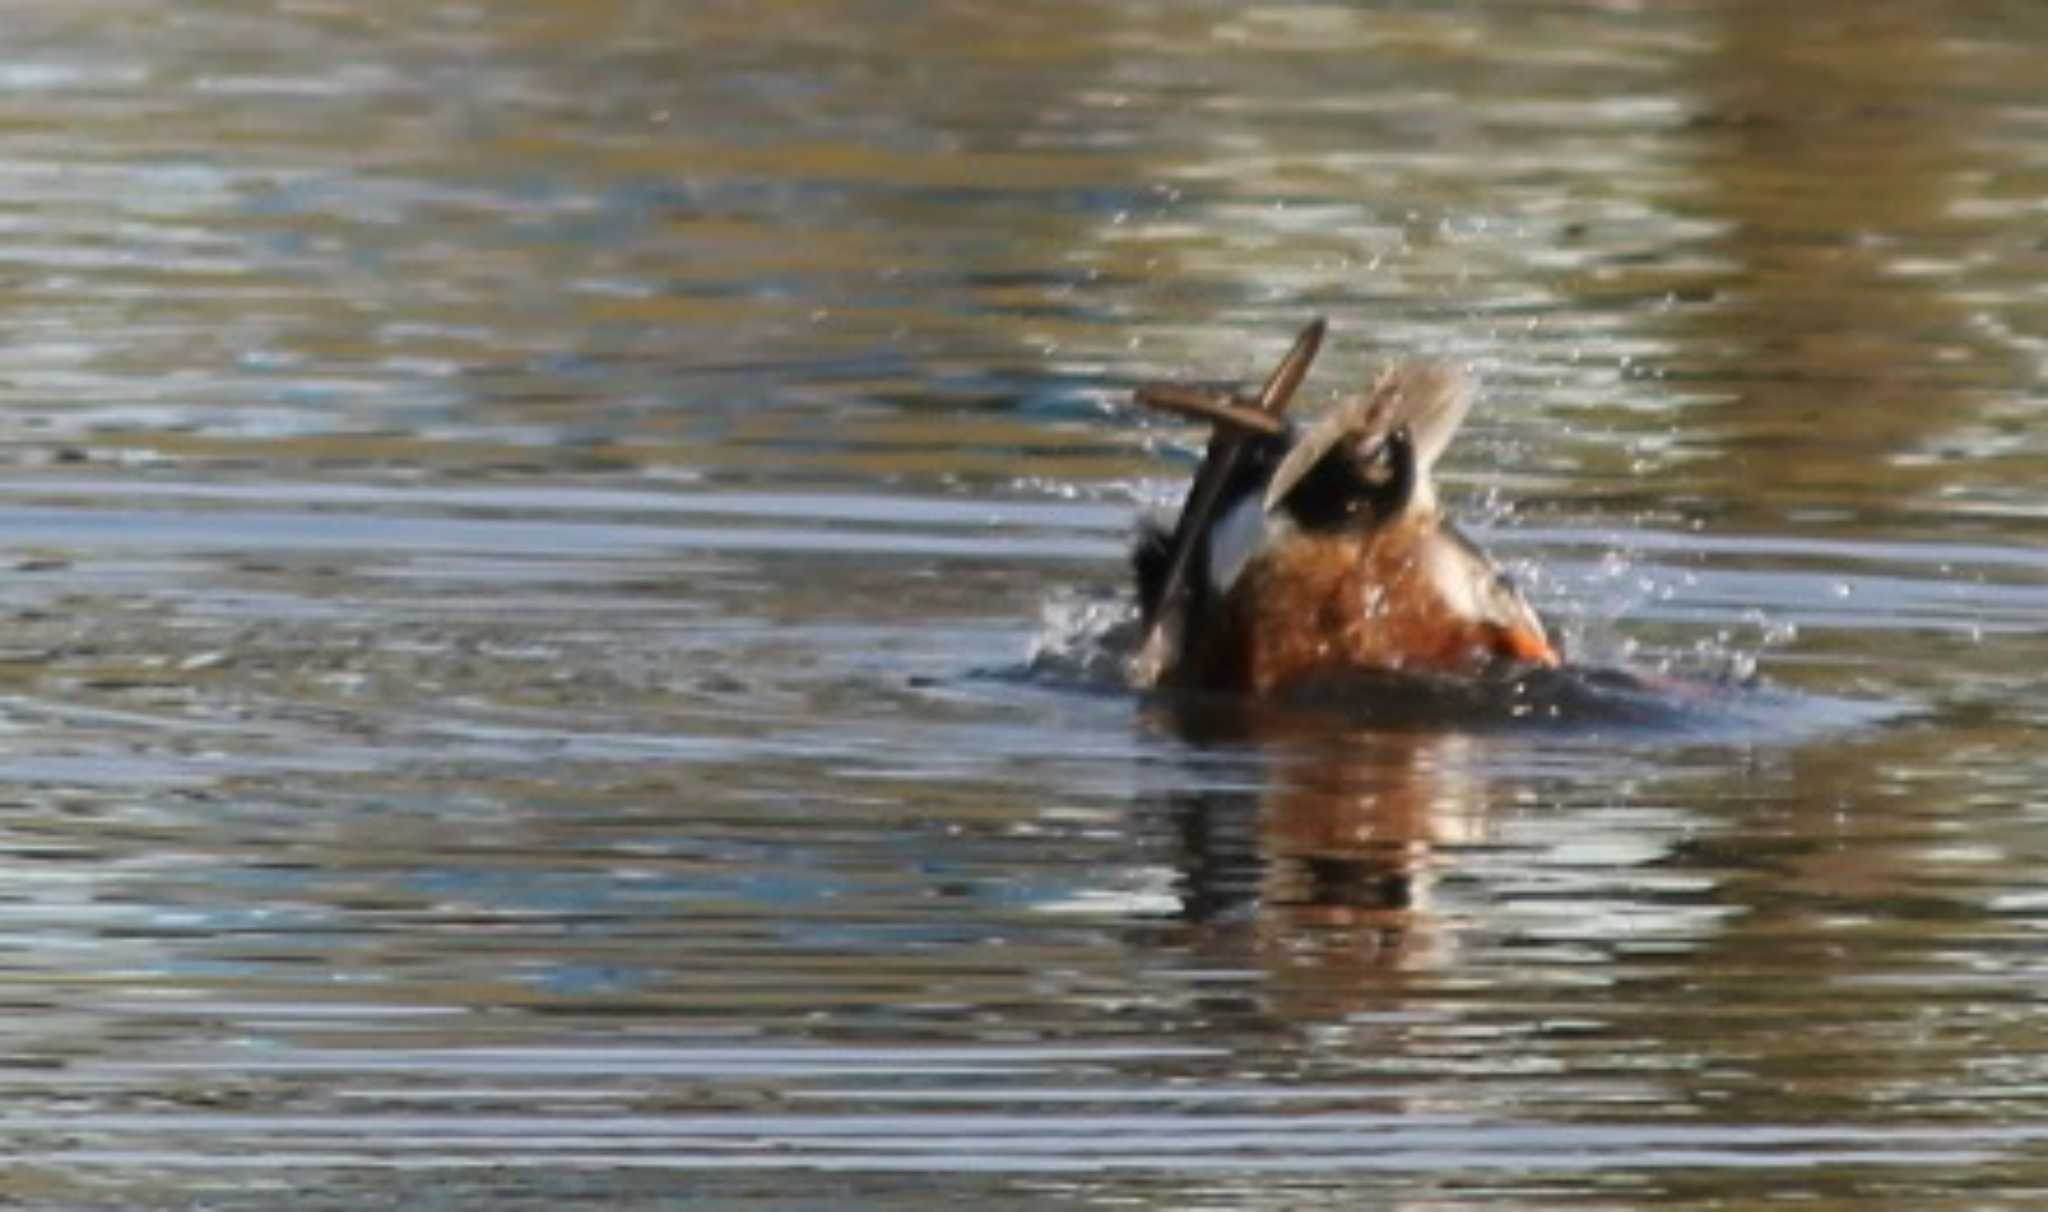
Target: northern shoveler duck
x=1308 y=553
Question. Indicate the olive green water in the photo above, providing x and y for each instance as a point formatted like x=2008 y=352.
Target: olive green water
x=525 y=523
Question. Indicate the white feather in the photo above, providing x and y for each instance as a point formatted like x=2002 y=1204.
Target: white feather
x=1234 y=540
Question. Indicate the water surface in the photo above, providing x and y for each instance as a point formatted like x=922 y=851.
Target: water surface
x=529 y=524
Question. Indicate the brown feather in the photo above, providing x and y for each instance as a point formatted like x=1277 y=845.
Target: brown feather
x=1323 y=604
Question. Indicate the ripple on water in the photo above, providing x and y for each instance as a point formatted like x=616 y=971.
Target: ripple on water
x=506 y=532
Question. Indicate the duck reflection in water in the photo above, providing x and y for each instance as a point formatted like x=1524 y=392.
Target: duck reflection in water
x=1330 y=858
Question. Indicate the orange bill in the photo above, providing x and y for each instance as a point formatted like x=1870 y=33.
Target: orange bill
x=1530 y=646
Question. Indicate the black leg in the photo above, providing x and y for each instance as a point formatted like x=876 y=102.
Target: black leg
x=1198 y=512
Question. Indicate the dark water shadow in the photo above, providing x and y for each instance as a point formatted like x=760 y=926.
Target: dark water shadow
x=1087 y=654
x=1607 y=702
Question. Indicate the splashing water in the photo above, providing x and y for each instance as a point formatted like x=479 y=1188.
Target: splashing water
x=1084 y=639
x=1711 y=686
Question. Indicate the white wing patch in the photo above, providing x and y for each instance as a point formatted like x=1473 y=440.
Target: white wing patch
x=1234 y=540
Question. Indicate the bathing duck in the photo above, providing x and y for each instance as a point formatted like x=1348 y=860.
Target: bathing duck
x=1306 y=553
